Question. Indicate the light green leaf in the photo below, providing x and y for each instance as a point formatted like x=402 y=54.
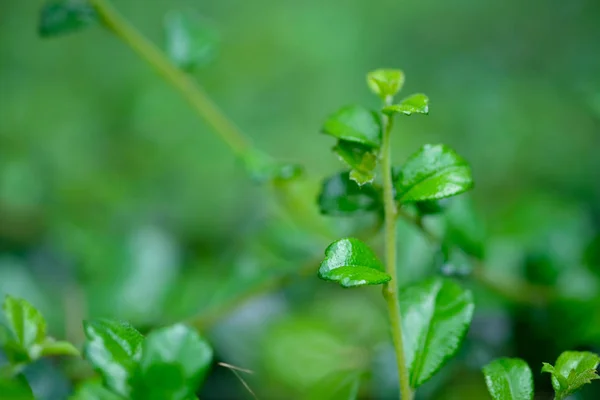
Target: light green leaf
x=573 y=369
x=434 y=172
x=435 y=318
x=174 y=363
x=341 y=196
x=414 y=104
x=509 y=379
x=113 y=348
x=92 y=390
x=15 y=388
x=263 y=168
x=352 y=263
x=385 y=82
x=339 y=385
x=355 y=124
x=191 y=41
x=51 y=347
x=64 y=16
x=360 y=158
x=27 y=326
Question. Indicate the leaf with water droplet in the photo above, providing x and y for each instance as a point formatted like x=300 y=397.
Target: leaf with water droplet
x=414 y=104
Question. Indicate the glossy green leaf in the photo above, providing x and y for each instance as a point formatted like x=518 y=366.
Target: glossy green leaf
x=360 y=158
x=92 y=390
x=352 y=263
x=434 y=172
x=15 y=388
x=385 y=82
x=414 y=104
x=51 y=347
x=65 y=16
x=174 y=362
x=341 y=196
x=509 y=379
x=435 y=318
x=573 y=369
x=113 y=348
x=355 y=124
x=339 y=385
x=27 y=326
x=263 y=168
x=191 y=41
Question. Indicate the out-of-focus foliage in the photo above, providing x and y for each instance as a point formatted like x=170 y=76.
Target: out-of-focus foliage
x=117 y=201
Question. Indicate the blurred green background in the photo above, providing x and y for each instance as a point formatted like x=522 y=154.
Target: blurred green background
x=116 y=200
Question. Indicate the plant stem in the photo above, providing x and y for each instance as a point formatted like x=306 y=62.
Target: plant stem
x=199 y=100
x=390 y=290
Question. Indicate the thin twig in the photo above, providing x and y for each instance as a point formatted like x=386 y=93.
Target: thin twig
x=235 y=370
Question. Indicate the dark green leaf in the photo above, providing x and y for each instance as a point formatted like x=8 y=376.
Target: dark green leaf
x=429 y=207
x=15 y=388
x=360 y=158
x=65 y=16
x=355 y=124
x=385 y=82
x=435 y=318
x=263 y=168
x=92 y=390
x=113 y=348
x=339 y=385
x=27 y=326
x=434 y=172
x=352 y=263
x=341 y=196
x=509 y=379
x=414 y=104
x=51 y=347
x=191 y=41
x=174 y=362
x=573 y=369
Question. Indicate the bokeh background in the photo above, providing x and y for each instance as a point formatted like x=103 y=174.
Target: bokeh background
x=117 y=201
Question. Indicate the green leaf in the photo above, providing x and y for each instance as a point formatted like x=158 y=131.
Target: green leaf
x=435 y=318
x=191 y=41
x=352 y=263
x=385 y=82
x=92 y=390
x=355 y=124
x=415 y=104
x=509 y=379
x=339 y=385
x=360 y=158
x=15 y=388
x=429 y=207
x=51 y=347
x=263 y=168
x=65 y=16
x=113 y=348
x=174 y=363
x=27 y=326
x=434 y=172
x=341 y=196
x=573 y=369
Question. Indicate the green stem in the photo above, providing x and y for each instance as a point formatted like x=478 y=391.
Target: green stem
x=198 y=99
x=390 y=290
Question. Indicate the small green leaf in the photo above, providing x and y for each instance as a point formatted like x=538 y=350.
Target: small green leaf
x=113 y=348
x=51 y=347
x=360 y=158
x=65 y=16
x=573 y=369
x=339 y=385
x=414 y=104
x=434 y=172
x=15 y=388
x=385 y=82
x=191 y=41
x=509 y=379
x=27 y=326
x=174 y=363
x=263 y=168
x=435 y=318
x=355 y=124
x=352 y=263
x=341 y=196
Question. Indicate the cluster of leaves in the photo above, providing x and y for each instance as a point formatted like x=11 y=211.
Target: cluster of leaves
x=169 y=363
x=511 y=378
